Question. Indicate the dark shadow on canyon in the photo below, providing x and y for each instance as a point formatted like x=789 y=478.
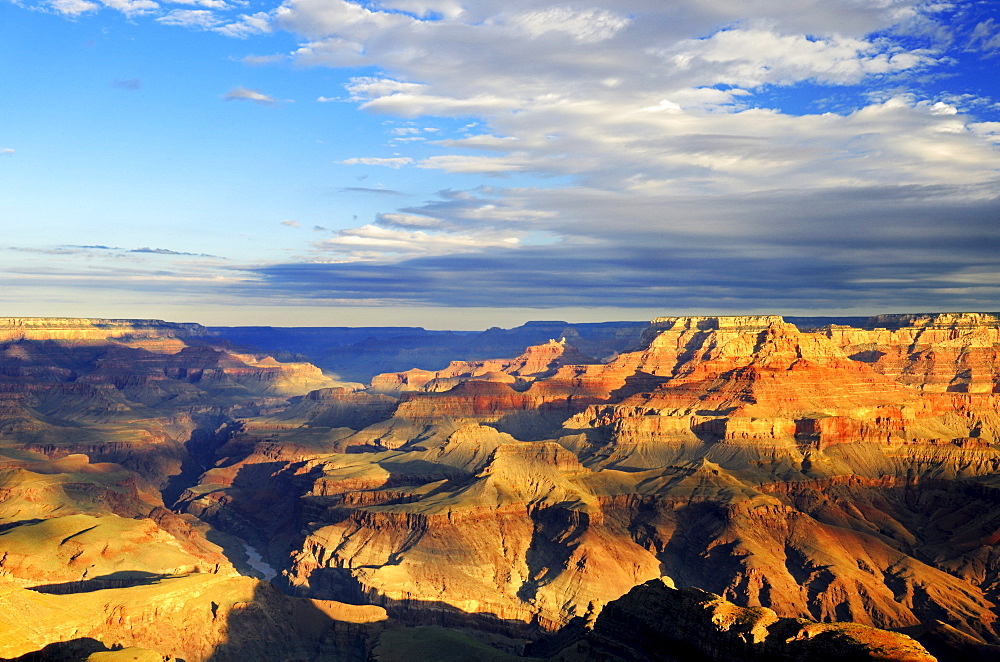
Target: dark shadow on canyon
x=637 y=382
x=62 y=651
x=275 y=626
x=199 y=457
x=121 y=579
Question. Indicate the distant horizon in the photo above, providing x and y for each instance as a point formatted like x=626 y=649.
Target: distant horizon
x=505 y=325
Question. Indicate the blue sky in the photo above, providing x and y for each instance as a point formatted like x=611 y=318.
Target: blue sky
x=460 y=164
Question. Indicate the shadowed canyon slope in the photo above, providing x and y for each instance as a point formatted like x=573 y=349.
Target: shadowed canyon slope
x=816 y=473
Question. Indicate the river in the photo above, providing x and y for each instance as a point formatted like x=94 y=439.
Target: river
x=256 y=561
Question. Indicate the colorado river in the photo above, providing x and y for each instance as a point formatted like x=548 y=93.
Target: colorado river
x=256 y=561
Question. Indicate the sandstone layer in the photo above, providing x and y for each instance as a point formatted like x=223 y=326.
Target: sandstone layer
x=740 y=455
x=100 y=420
x=801 y=477
x=657 y=622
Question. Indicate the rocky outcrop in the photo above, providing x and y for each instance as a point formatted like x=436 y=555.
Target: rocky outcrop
x=154 y=335
x=96 y=417
x=339 y=408
x=195 y=617
x=82 y=552
x=524 y=540
x=34 y=487
x=709 y=442
x=949 y=352
x=537 y=362
x=360 y=353
x=90 y=389
x=840 y=474
x=788 y=390
x=210 y=368
x=932 y=321
x=655 y=621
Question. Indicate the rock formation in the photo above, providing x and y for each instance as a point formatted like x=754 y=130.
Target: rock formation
x=657 y=622
x=720 y=452
x=149 y=333
x=194 y=616
x=955 y=352
x=537 y=362
x=794 y=478
x=98 y=419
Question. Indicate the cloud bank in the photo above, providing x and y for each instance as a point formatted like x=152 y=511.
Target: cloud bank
x=682 y=178
x=731 y=154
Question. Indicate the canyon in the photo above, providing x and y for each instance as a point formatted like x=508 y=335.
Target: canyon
x=746 y=487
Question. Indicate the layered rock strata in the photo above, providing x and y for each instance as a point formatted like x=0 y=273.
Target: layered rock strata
x=537 y=362
x=953 y=352
x=841 y=474
x=765 y=464
x=659 y=623
x=98 y=421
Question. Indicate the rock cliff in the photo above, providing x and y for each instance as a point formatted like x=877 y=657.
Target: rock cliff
x=99 y=419
x=796 y=478
x=949 y=352
x=537 y=362
x=736 y=441
x=150 y=334
x=657 y=622
x=194 y=617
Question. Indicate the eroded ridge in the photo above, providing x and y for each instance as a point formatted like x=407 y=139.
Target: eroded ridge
x=832 y=474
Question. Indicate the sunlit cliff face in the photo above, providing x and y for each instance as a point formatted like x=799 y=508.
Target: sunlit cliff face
x=152 y=478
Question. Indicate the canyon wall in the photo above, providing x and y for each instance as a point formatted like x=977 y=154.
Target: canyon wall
x=806 y=476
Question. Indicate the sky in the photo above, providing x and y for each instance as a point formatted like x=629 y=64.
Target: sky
x=468 y=163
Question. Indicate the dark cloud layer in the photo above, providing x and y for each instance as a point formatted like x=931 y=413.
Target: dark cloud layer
x=891 y=248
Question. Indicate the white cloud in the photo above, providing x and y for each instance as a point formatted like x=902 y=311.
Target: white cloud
x=132 y=7
x=414 y=105
x=392 y=162
x=518 y=161
x=653 y=134
x=399 y=220
x=291 y=224
x=334 y=51
x=368 y=88
x=754 y=57
x=190 y=18
x=321 y=18
x=587 y=26
x=985 y=37
x=6 y=151
x=628 y=101
x=74 y=7
x=210 y=4
x=988 y=130
x=249 y=25
x=261 y=60
x=425 y=8
x=670 y=163
x=376 y=243
x=244 y=94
